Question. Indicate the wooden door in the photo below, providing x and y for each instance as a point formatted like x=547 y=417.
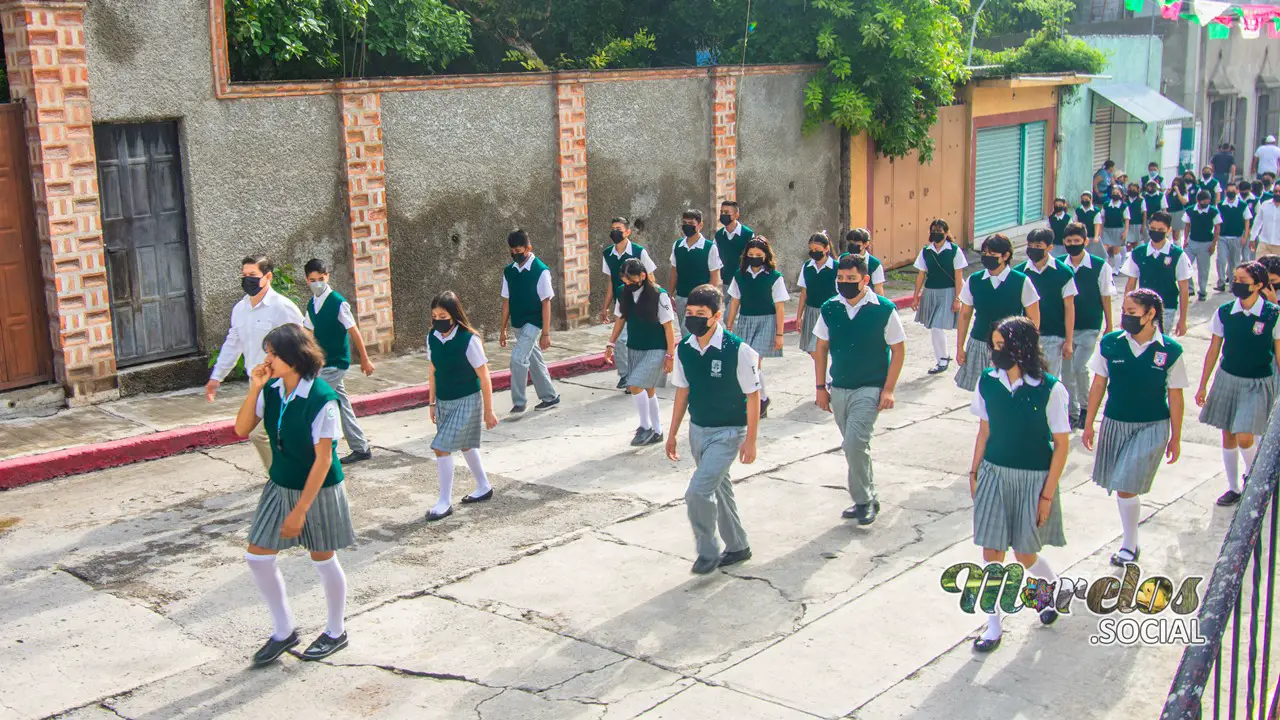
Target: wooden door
x=25 y=357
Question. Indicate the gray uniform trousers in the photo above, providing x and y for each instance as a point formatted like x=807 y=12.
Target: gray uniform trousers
x=526 y=363
x=350 y=427
x=621 y=362
x=856 y=412
x=1199 y=252
x=709 y=499
x=680 y=304
x=1075 y=374
x=1231 y=252
x=1051 y=348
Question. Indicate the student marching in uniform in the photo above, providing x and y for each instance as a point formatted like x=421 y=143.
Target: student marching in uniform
x=1271 y=263
x=695 y=261
x=858 y=242
x=987 y=298
x=1251 y=198
x=645 y=313
x=1093 y=313
x=756 y=312
x=867 y=345
x=1142 y=373
x=1152 y=202
x=1058 y=221
x=731 y=240
x=1204 y=224
x=1153 y=176
x=304 y=501
x=1176 y=201
x=1246 y=332
x=936 y=301
x=715 y=379
x=1233 y=234
x=1088 y=215
x=1135 y=227
x=526 y=303
x=1210 y=184
x=1055 y=284
x=1018 y=458
x=1163 y=267
x=817 y=283
x=1115 y=225
x=330 y=320
x=618 y=252
x=461 y=399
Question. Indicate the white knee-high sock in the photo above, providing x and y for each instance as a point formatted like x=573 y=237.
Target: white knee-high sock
x=335 y=594
x=939 y=338
x=472 y=457
x=445 y=465
x=1249 y=454
x=1130 y=513
x=994 y=630
x=642 y=406
x=655 y=417
x=1231 y=460
x=764 y=394
x=1040 y=569
x=270 y=584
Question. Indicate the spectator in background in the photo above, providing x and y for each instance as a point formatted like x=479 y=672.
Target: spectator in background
x=1224 y=165
x=1102 y=181
x=1266 y=159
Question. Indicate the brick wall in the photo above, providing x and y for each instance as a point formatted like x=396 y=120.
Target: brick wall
x=367 y=208
x=571 y=115
x=48 y=73
x=725 y=134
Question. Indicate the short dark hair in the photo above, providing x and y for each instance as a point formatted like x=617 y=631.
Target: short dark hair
x=621 y=221
x=1060 y=200
x=1161 y=216
x=314 y=265
x=691 y=214
x=1153 y=164
x=858 y=235
x=707 y=296
x=1076 y=229
x=517 y=238
x=853 y=262
x=296 y=348
x=1273 y=175
x=262 y=261
x=1109 y=164
x=1041 y=236
x=729 y=203
x=998 y=244
x=1271 y=263
x=1231 y=184
x=1203 y=195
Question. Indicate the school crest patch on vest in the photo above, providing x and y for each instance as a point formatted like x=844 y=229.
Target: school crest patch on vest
x=1258 y=328
x=716 y=367
x=1161 y=359
x=1168 y=261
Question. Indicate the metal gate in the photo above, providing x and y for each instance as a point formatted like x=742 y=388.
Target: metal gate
x=997 y=179
x=144 y=225
x=25 y=357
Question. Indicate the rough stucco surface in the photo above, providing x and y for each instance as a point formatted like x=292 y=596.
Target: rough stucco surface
x=463 y=168
x=788 y=181
x=260 y=175
x=648 y=159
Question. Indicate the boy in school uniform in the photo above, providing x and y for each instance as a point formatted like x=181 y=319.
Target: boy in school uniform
x=1058 y=221
x=731 y=238
x=1163 y=267
x=1233 y=234
x=858 y=242
x=716 y=381
x=1094 y=288
x=861 y=333
x=1153 y=176
x=1204 y=225
x=1211 y=184
x=618 y=251
x=695 y=261
x=1152 y=201
x=1087 y=215
x=330 y=320
x=526 y=302
x=1055 y=283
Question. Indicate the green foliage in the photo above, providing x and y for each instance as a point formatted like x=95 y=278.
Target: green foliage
x=1045 y=52
x=284 y=280
x=1008 y=17
x=631 y=52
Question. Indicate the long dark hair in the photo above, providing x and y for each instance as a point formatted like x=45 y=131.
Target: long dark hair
x=759 y=242
x=646 y=308
x=1258 y=272
x=449 y=302
x=1150 y=300
x=1022 y=342
x=296 y=348
x=819 y=238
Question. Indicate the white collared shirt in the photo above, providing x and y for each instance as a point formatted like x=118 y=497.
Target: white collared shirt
x=1106 y=284
x=545 y=291
x=1267 y=229
x=960 y=263
x=1068 y=290
x=713 y=257
x=736 y=231
x=649 y=265
x=1029 y=295
x=475 y=348
x=1215 y=323
x=1182 y=272
x=894 y=333
x=748 y=376
x=1186 y=216
x=249 y=327
x=326 y=426
x=1056 y=410
x=666 y=312
x=1160 y=195
x=1177 y=375
x=344 y=312
x=779 y=290
x=827 y=262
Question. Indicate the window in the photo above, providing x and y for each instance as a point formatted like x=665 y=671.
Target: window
x=1268 y=113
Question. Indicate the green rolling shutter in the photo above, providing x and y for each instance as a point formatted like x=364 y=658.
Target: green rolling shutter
x=997 y=182
x=1033 y=172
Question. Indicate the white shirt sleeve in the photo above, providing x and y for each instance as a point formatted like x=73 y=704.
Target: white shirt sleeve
x=920 y=264
x=261 y=406
x=677 y=371
x=649 y=265
x=545 y=290
x=1184 y=267
x=506 y=292
x=894 y=333
x=734 y=292
x=1130 y=268
x=780 y=293
x=1248 y=214
x=666 y=313
x=1217 y=219
x=1216 y=328
x=1098 y=364
x=289 y=313
x=800 y=280
x=327 y=425
x=475 y=352
x=978 y=406
x=604 y=265
x=748 y=374
x=1059 y=420
x=344 y=316
x=1178 y=374
x=306 y=322
x=674 y=245
x=713 y=258
x=1106 y=282
x=1186 y=217
x=821 y=332
x=1070 y=289
x=617 y=308
x=966 y=296
x=961 y=262
x=877 y=276
x=1029 y=295
x=229 y=354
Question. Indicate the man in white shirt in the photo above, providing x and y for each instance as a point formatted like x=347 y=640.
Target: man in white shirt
x=1265 y=237
x=1266 y=159
x=258 y=313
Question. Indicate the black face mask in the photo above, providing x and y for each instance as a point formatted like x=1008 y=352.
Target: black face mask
x=1116 y=198
x=849 y=290
x=689 y=230
x=755 y=262
x=519 y=258
x=442 y=326
x=937 y=237
x=1157 y=236
x=632 y=287
x=1241 y=290
x=1035 y=255
x=1231 y=196
x=251 y=285
x=1206 y=176
x=616 y=236
x=697 y=325
x=855 y=249
x=1133 y=193
x=990 y=262
x=1002 y=359
x=1059 y=210
x=1086 y=203
x=1131 y=324
x=1075 y=250
x=817 y=254
x=725 y=219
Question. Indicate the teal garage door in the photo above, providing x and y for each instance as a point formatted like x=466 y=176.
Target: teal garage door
x=1009 y=177
x=1033 y=208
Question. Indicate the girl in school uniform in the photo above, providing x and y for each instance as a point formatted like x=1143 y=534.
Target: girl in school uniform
x=1176 y=201
x=987 y=298
x=1247 y=335
x=462 y=398
x=858 y=242
x=304 y=502
x=936 y=300
x=756 y=312
x=1115 y=225
x=817 y=285
x=1141 y=372
x=1018 y=460
x=1271 y=263
x=645 y=311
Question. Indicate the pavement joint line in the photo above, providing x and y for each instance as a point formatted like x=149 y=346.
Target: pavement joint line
x=606 y=666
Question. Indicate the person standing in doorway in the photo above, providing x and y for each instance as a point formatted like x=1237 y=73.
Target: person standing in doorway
x=619 y=250
x=731 y=240
x=1266 y=159
x=1233 y=234
x=1093 y=314
x=259 y=312
x=330 y=319
x=1103 y=179
x=1204 y=226
x=526 y=303
x=695 y=261
x=1161 y=266
x=1223 y=165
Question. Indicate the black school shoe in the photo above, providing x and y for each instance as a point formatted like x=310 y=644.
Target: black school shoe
x=864 y=514
x=985 y=646
x=324 y=646
x=1229 y=498
x=517 y=408
x=270 y=652
x=1048 y=616
x=433 y=517
x=735 y=557
x=641 y=437
x=469 y=499
x=654 y=438
x=622 y=383
x=941 y=367
x=1202 y=296
x=356 y=457
x=764 y=409
x=545 y=404
x=704 y=566
x=1125 y=556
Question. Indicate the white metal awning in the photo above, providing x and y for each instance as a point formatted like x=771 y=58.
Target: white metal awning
x=1144 y=104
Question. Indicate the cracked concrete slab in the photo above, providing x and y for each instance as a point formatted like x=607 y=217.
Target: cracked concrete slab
x=512 y=704
x=628 y=688
x=699 y=700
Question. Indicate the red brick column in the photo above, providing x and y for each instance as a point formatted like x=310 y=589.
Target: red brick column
x=725 y=134
x=367 y=206
x=575 y=245
x=49 y=74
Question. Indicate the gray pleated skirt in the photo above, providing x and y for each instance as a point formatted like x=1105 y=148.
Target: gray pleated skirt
x=1129 y=454
x=1239 y=405
x=1178 y=222
x=1113 y=237
x=808 y=341
x=977 y=359
x=328 y=524
x=1005 y=508
x=935 y=309
x=758 y=331
x=646 y=367
x=458 y=423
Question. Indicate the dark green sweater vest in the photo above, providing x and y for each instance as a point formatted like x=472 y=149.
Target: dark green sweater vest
x=292 y=450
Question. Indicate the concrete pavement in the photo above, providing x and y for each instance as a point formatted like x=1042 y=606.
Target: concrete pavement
x=569 y=595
